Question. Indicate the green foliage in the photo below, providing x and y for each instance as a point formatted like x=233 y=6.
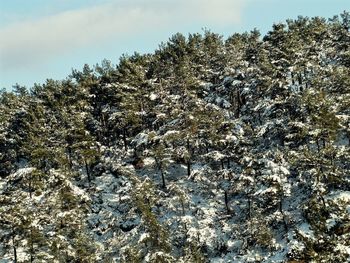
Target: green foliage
x=145 y=199
x=193 y=254
x=250 y=116
x=260 y=234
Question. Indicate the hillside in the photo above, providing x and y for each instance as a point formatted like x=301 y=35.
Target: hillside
x=207 y=150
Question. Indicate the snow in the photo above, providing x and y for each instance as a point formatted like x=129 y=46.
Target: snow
x=144 y=237
x=342 y=249
x=171 y=133
x=236 y=83
x=342 y=140
x=305 y=230
x=153 y=96
x=284 y=170
x=340 y=195
x=267 y=142
x=148 y=161
x=2 y=186
x=231 y=138
x=22 y=172
x=141 y=138
x=79 y=192
x=330 y=223
x=215 y=155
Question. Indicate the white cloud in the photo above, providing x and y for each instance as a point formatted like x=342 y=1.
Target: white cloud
x=28 y=43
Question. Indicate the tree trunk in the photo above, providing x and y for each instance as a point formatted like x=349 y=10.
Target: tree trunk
x=124 y=139
x=323 y=201
x=87 y=171
x=280 y=206
x=259 y=117
x=17 y=155
x=249 y=208
x=31 y=247
x=30 y=186
x=324 y=143
x=281 y=210
x=14 y=246
x=163 y=179
x=188 y=168
x=189 y=157
x=300 y=80
x=70 y=162
x=238 y=109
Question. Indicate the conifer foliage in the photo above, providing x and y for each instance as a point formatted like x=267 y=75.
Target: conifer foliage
x=207 y=150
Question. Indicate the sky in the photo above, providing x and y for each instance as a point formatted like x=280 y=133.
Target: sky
x=42 y=39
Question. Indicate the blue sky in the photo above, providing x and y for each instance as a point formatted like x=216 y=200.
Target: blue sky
x=42 y=39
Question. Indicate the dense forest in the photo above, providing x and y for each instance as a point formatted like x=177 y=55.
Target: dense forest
x=207 y=150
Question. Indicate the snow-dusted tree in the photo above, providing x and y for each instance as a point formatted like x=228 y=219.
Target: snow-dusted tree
x=153 y=244
x=162 y=158
x=275 y=185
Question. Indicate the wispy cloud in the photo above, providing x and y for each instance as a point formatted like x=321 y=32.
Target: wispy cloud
x=32 y=42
